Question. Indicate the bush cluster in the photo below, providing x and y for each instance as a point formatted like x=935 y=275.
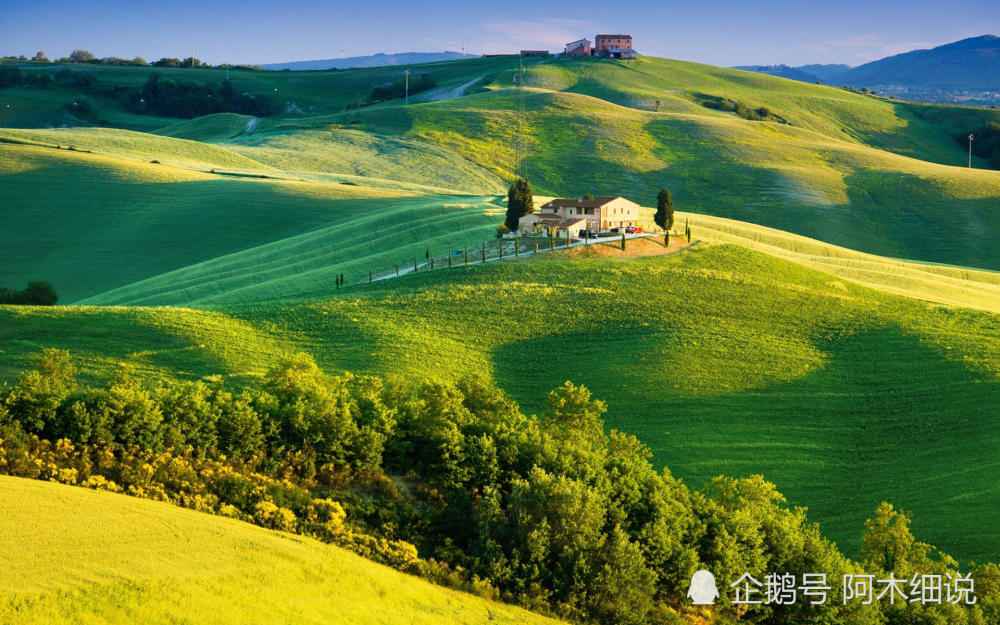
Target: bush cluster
x=547 y=511
x=760 y=113
x=37 y=293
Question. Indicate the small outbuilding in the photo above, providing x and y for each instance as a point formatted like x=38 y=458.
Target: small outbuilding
x=580 y=47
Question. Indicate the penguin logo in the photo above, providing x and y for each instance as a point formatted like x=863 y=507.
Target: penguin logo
x=703 y=590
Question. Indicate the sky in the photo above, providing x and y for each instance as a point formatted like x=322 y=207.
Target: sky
x=718 y=32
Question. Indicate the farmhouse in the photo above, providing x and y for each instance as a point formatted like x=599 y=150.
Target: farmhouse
x=614 y=46
x=602 y=213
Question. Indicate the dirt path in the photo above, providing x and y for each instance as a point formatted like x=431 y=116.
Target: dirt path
x=251 y=126
x=446 y=93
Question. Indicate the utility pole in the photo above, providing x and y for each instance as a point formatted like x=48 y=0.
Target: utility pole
x=192 y=56
x=970 y=150
x=227 y=64
x=407 y=100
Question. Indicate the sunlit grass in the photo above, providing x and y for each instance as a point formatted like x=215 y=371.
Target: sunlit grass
x=74 y=555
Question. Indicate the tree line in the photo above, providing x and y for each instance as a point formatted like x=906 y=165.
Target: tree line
x=176 y=98
x=166 y=97
x=87 y=58
x=454 y=482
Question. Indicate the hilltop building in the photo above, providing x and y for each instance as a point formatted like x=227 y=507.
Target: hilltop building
x=609 y=46
x=602 y=213
x=614 y=46
x=580 y=47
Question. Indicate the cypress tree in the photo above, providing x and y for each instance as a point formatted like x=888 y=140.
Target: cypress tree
x=664 y=216
x=520 y=202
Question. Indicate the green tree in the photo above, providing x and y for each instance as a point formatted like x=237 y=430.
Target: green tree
x=611 y=601
x=40 y=293
x=40 y=391
x=239 y=428
x=80 y=56
x=888 y=545
x=664 y=216
x=132 y=410
x=520 y=202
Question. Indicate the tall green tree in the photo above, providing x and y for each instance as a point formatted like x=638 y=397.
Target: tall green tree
x=520 y=202
x=664 y=216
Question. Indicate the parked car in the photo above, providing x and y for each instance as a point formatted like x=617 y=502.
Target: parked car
x=616 y=230
x=633 y=230
x=588 y=234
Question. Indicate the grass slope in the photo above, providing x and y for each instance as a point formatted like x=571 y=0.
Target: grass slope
x=78 y=556
x=681 y=86
x=91 y=223
x=723 y=360
x=944 y=284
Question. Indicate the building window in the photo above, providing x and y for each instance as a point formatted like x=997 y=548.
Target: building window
x=579 y=211
x=590 y=211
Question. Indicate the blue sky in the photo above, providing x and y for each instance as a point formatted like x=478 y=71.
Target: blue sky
x=720 y=32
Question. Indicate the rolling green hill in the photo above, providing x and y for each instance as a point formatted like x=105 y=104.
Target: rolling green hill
x=74 y=555
x=776 y=175
x=723 y=360
x=847 y=168
x=845 y=378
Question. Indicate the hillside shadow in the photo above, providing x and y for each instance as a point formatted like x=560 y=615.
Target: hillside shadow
x=886 y=419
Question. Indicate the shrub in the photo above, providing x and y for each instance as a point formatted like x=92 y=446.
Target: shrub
x=37 y=293
x=271 y=516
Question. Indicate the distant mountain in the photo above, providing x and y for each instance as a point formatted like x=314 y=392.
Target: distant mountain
x=784 y=71
x=374 y=60
x=804 y=73
x=966 y=70
x=825 y=73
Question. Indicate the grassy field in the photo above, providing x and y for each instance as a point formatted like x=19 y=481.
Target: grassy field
x=769 y=354
x=73 y=555
x=723 y=360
